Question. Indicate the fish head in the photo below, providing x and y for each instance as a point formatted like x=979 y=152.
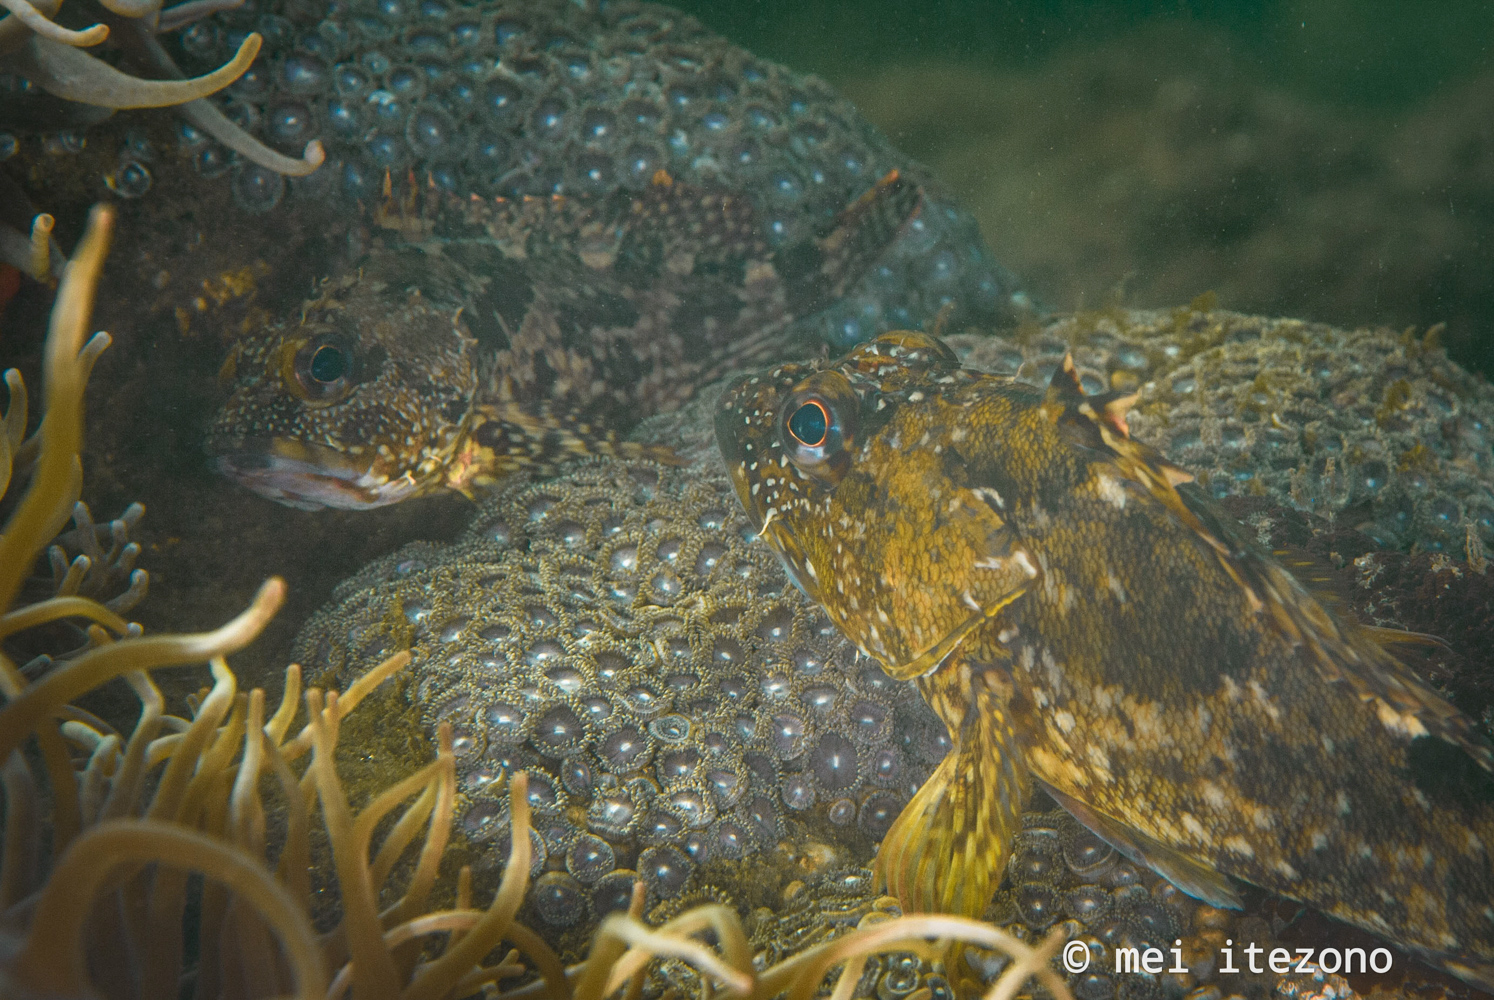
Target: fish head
x=361 y=399
x=858 y=475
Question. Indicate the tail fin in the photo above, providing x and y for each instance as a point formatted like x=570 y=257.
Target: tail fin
x=948 y=848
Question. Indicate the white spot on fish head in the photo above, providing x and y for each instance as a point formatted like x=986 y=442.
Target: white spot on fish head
x=1111 y=490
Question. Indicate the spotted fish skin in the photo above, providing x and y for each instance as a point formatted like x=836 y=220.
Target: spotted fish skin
x=1086 y=621
x=481 y=336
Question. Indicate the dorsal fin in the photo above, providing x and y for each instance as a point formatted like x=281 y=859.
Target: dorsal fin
x=1065 y=387
x=817 y=271
x=1105 y=409
x=1110 y=409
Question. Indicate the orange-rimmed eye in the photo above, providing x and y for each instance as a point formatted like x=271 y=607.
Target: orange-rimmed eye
x=323 y=369
x=810 y=423
x=817 y=425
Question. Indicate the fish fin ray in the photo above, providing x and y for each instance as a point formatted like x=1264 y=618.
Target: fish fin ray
x=947 y=849
x=820 y=270
x=1191 y=876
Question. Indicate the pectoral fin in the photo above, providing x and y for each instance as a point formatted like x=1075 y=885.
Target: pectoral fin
x=947 y=849
x=931 y=658
x=1193 y=877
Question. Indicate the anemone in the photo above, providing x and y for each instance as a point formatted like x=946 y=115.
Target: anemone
x=126 y=819
x=33 y=45
x=52 y=58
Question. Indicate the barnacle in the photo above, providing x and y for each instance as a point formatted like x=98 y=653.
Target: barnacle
x=51 y=58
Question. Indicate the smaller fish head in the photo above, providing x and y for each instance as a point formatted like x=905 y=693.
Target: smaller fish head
x=853 y=475
x=359 y=402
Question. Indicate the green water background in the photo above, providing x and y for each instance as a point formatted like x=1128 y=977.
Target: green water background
x=1325 y=159
x=1358 y=53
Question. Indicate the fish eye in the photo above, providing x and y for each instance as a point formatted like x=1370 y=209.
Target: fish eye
x=322 y=370
x=328 y=364
x=817 y=425
x=810 y=423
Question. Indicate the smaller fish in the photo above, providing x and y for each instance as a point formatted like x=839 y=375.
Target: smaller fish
x=1086 y=621
x=479 y=337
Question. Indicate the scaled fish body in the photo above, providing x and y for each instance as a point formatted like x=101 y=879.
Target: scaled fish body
x=1084 y=620
x=489 y=335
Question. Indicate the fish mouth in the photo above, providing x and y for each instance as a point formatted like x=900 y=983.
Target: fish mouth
x=310 y=477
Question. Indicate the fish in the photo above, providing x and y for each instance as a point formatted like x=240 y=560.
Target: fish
x=488 y=335
x=1087 y=622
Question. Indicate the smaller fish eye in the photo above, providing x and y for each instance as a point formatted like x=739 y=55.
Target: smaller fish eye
x=810 y=423
x=321 y=371
x=328 y=363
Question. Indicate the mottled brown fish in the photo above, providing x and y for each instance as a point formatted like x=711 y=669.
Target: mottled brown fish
x=480 y=336
x=1086 y=621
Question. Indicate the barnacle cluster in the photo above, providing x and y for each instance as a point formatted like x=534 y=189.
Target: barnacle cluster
x=537 y=98
x=1373 y=428
x=613 y=634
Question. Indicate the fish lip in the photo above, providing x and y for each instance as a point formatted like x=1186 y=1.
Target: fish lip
x=310 y=477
